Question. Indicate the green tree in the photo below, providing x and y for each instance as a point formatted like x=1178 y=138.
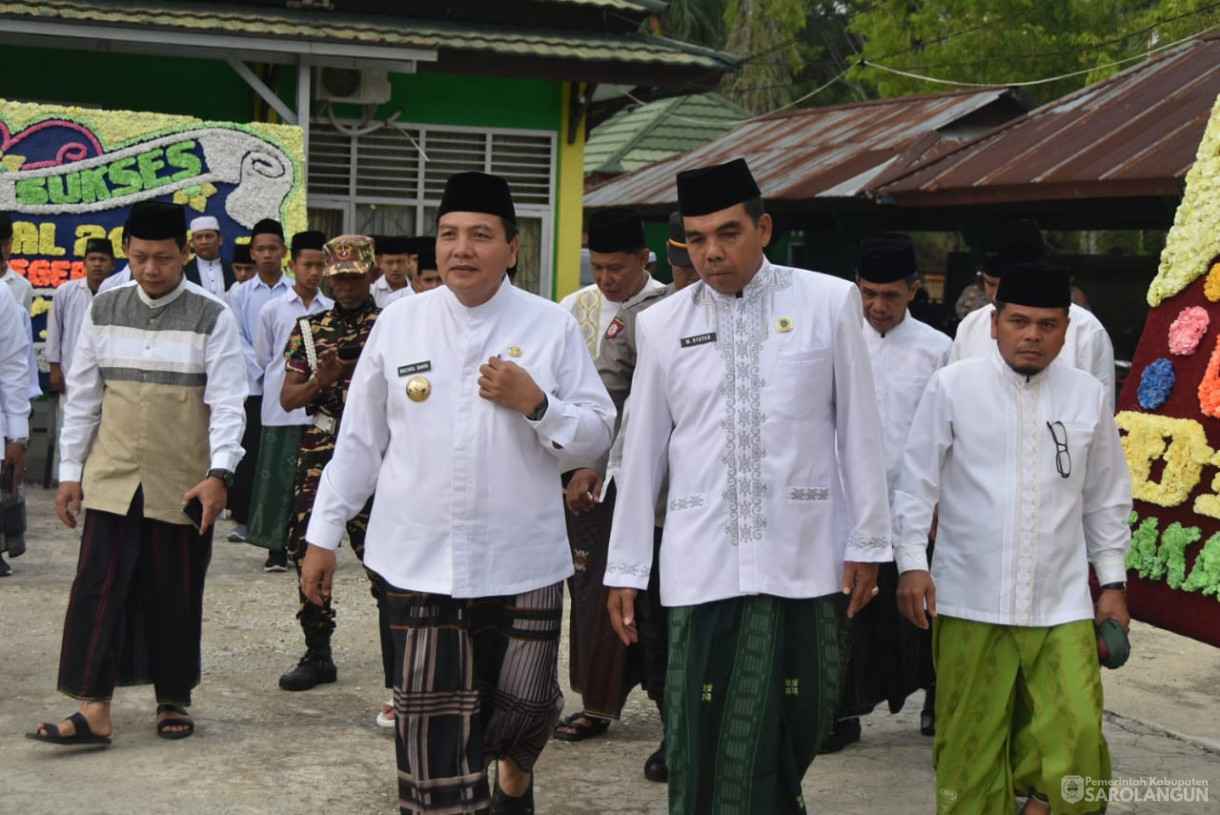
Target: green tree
x=697 y=21
x=1008 y=41
x=765 y=34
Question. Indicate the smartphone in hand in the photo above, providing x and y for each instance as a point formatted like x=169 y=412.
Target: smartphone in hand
x=194 y=510
x=349 y=352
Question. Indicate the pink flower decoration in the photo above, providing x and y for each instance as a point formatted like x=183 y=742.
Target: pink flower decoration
x=1186 y=331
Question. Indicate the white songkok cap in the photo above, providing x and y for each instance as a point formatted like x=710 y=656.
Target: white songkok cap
x=205 y=222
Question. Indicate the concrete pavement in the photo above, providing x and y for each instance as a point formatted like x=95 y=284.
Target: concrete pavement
x=258 y=749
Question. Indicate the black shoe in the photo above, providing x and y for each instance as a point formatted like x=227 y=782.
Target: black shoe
x=310 y=672
x=277 y=561
x=655 y=768
x=843 y=733
x=5 y=569
x=504 y=804
x=927 y=717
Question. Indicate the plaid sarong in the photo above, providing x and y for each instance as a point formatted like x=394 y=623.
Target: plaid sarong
x=479 y=683
x=751 y=691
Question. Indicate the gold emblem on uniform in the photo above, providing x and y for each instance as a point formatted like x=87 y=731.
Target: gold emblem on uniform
x=514 y=351
x=418 y=388
x=783 y=325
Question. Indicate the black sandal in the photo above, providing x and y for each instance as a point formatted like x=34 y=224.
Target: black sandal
x=83 y=735
x=164 y=725
x=581 y=731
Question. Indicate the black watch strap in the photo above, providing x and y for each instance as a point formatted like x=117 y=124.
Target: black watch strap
x=1115 y=587
x=540 y=411
x=225 y=476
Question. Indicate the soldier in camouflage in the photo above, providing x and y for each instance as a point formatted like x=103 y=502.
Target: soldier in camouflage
x=321 y=356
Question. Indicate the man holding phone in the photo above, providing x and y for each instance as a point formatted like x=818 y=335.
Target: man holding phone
x=154 y=421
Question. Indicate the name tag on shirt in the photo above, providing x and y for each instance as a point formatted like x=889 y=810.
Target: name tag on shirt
x=415 y=368
x=699 y=339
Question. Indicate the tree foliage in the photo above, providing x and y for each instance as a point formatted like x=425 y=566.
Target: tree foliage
x=791 y=48
x=1010 y=41
x=697 y=21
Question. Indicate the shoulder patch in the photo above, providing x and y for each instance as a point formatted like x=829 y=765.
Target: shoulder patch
x=616 y=326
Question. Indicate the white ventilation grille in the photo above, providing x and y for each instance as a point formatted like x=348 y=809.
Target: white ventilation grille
x=386 y=164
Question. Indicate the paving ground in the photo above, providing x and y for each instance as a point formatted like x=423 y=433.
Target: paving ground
x=261 y=750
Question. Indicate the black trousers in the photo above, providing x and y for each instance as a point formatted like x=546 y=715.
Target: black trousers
x=243 y=477
x=135 y=615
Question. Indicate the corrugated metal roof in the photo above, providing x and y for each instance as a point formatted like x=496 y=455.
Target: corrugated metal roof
x=646 y=134
x=532 y=42
x=815 y=153
x=1134 y=134
x=635 y=6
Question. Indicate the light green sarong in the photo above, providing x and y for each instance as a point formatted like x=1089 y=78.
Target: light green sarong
x=1018 y=711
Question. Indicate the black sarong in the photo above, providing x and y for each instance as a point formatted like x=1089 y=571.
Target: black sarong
x=135 y=615
x=479 y=682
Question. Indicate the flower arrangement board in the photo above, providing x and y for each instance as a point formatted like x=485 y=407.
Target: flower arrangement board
x=69 y=174
x=1169 y=417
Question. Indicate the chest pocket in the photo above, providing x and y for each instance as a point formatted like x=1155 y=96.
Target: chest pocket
x=1073 y=460
x=799 y=384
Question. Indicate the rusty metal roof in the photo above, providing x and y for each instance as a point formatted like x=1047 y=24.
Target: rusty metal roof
x=1134 y=134
x=835 y=152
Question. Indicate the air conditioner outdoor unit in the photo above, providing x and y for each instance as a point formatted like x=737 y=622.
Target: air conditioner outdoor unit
x=351 y=86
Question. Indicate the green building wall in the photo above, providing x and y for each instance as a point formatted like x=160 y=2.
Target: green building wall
x=210 y=89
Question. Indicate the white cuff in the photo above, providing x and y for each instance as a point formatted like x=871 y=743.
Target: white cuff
x=324 y=535
x=626 y=576
x=911 y=558
x=1110 y=568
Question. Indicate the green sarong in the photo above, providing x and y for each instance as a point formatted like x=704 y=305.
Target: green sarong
x=750 y=693
x=1018 y=711
x=274 y=475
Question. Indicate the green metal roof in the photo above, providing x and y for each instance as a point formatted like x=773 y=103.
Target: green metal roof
x=644 y=6
x=233 y=20
x=640 y=136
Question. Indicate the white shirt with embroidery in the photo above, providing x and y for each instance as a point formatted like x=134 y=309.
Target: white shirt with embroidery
x=903 y=360
x=594 y=313
x=275 y=324
x=762 y=409
x=1015 y=536
x=1087 y=346
x=468 y=498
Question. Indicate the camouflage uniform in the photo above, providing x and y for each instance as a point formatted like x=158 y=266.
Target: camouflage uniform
x=330 y=329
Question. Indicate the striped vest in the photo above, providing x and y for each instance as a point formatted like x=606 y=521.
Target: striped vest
x=154 y=425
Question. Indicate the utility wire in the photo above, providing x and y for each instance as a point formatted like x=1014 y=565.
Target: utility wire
x=1027 y=83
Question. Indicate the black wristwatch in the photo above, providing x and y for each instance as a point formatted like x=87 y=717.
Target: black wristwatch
x=540 y=411
x=1115 y=587
x=225 y=476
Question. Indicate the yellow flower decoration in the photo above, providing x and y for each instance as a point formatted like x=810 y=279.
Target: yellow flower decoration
x=41 y=305
x=1211 y=286
x=1193 y=241
x=1182 y=443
